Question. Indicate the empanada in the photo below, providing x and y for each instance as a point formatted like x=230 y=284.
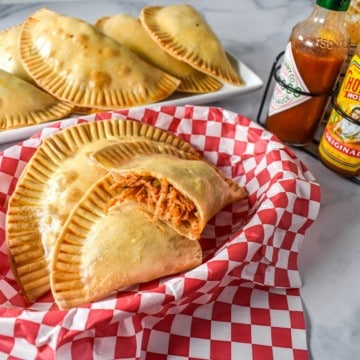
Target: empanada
x=185 y=194
x=128 y=31
x=24 y=104
x=184 y=33
x=56 y=177
x=99 y=252
x=74 y=61
x=9 y=53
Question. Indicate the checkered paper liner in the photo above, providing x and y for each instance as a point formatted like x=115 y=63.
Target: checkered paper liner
x=244 y=299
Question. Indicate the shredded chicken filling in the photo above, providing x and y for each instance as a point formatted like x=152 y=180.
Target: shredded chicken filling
x=160 y=197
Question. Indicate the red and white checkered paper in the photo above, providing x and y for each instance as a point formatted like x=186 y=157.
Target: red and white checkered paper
x=242 y=302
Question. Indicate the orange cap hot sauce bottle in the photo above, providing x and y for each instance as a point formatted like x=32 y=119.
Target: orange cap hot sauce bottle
x=314 y=55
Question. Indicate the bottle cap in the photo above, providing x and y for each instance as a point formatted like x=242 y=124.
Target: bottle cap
x=336 y=5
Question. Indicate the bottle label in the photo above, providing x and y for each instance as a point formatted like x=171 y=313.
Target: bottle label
x=284 y=99
x=344 y=155
x=340 y=143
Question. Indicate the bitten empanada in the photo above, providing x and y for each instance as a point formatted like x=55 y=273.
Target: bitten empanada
x=101 y=251
x=185 y=194
x=184 y=33
x=24 y=104
x=73 y=61
x=128 y=31
x=56 y=177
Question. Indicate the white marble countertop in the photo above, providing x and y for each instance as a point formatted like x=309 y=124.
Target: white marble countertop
x=256 y=31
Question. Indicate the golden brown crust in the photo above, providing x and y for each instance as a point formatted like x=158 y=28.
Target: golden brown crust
x=183 y=32
x=117 y=154
x=23 y=104
x=73 y=61
x=128 y=30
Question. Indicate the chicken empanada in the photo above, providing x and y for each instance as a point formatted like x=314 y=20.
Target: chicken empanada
x=99 y=252
x=185 y=194
x=24 y=104
x=184 y=33
x=56 y=177
x=74 y=61
x=128 y=31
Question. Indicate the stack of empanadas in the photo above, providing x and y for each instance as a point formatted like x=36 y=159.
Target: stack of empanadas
x=140 y=42
x=118 y=62
x=108 y=204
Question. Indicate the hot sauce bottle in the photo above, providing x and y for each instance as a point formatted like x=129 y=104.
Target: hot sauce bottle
x=339 y=146
x=312 y=62
x=352 y=26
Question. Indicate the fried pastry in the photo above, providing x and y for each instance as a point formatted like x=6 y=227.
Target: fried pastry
x=99 y=252
x=128 y=31
x=184 y=33
x=10 y=60
x=75 y=62
x=185 y=194
x=54 y=180
x=23 y=104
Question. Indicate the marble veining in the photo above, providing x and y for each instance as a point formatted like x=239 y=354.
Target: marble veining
x=256 y=31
